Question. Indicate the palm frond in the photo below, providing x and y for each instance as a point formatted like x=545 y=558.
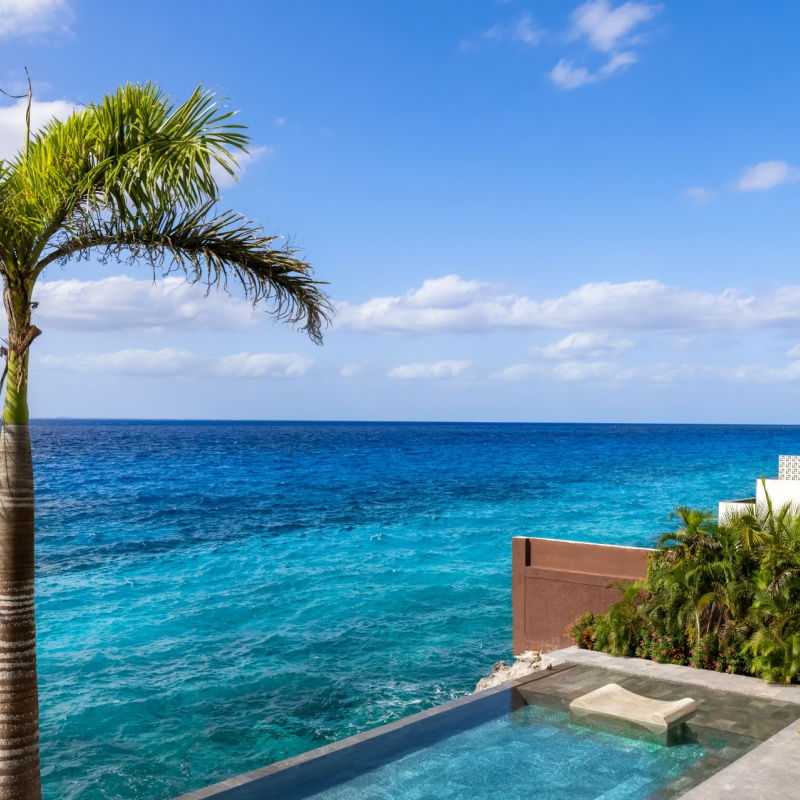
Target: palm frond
x=216 y=249
x=135 y=175
x=116 y=154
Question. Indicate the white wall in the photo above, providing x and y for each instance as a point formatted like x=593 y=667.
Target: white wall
x=780 y=492
x=731 y=508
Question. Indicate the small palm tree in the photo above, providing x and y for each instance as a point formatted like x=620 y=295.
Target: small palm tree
x=132 y=175
x=681 y=575
x=774 y=534
x=625 y=618
x=696 y=535
x=774 y=645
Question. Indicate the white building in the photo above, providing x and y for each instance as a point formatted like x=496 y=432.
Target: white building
x=781 y=490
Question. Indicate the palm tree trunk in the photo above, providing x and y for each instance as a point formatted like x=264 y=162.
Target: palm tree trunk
x=19 y=701
x=697 y=625
x=20 y=777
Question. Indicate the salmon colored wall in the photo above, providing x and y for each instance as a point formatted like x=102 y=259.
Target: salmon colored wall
x=554 y=582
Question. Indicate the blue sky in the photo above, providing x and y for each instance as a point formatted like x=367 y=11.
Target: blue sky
x=525 y=211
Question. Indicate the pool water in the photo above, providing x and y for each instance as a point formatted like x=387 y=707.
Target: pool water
x=533 y=752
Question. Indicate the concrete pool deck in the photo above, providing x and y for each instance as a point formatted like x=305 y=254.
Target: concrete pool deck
x=767 y=757
x=767 y=772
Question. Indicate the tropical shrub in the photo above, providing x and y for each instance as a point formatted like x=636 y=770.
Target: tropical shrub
x=663 y=647
x=582 y=631
x=724 y=597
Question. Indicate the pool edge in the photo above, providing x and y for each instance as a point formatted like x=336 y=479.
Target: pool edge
x=340 y=744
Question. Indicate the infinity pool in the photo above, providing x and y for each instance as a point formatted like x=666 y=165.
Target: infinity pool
x=520 y=743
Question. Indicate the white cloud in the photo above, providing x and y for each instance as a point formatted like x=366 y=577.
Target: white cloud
x=516 y=372
x=12 y=121
x=566 y=75
x=436 y=370
x=699 y=195
x=451 y=304
x=760 y=177
x=613 y=373
x=609 y=372
x=260 y=365
x=225 y=179
x=168 y=361
x=351 y=370
x=583 y=345
x=24 y=17
x=123 y=303
x=448 y=303
x=279 y=122
x=588 y=370
x=451 y=291
x=605 y=27
x=759 y=373
x=767 y=175
x=523 y=30
x=616 y=62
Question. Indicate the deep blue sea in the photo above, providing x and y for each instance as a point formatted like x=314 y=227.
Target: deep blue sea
x=213 y=597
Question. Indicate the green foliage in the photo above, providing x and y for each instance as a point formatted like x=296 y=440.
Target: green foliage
x=717 y=596
x=625 y=621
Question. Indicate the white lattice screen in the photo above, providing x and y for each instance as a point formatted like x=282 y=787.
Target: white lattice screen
x=789 y=468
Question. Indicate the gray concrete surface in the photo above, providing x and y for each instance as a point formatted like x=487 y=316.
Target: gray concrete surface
x=770 y=771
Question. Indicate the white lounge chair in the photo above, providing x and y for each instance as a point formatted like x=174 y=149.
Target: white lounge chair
x=614 y=702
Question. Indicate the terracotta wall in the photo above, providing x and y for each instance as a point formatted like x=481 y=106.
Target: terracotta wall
x=553 y=582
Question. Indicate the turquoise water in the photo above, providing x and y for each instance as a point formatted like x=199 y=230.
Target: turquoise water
x=216 y=597
x=532 y=753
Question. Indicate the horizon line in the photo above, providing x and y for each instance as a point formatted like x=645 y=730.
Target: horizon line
x=405 y=421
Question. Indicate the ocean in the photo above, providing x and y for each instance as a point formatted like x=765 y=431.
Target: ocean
x=216 y=596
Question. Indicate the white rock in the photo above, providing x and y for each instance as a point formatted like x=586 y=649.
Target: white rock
x=526 y=662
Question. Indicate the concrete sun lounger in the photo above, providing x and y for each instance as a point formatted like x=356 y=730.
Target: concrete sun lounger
x=614 y=702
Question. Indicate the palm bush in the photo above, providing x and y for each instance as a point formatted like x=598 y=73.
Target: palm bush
x=716 y=596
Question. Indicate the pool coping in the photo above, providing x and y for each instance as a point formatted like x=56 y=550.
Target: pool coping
x=764 y=768
x=721 y=681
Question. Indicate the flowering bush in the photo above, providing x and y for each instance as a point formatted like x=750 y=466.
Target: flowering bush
x=720 y=597
x=582 y=631
x=664 y=648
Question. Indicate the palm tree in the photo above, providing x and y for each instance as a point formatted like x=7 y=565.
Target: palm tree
x=775 y=642
x=696 y=535
x=696 y=576
x=133 y=176
x=625 y=619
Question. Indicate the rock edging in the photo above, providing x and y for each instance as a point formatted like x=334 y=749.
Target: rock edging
x=527 y=662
